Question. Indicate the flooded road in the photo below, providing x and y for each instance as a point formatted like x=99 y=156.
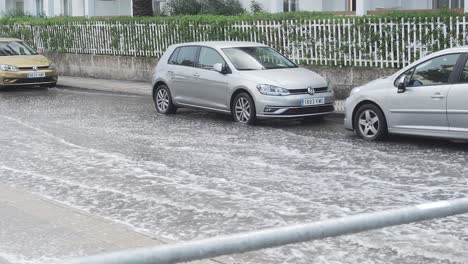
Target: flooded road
x=196 y=175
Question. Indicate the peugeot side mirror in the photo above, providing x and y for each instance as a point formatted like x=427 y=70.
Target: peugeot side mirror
x=402 y=84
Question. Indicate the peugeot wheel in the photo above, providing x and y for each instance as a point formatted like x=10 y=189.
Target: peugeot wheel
x=243 y=109
x=163 y=101
x=370 y=123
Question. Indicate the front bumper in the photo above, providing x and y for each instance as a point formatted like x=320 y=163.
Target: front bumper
x=291 y=106
x=20 y=78
x=349 y=109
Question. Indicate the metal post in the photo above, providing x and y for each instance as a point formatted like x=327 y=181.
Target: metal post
x=240 y=243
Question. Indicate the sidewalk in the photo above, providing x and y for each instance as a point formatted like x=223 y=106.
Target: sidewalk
x=119 y=86
x=36 y=230
x=129 y=87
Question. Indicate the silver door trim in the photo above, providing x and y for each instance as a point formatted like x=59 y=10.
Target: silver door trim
x=203 y=107
x=415 y=111
x=429 y=128
x=461 y=112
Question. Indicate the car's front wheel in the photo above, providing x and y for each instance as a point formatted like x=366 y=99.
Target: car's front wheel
x=370 y=123
x=243 y=109
x=163 y=100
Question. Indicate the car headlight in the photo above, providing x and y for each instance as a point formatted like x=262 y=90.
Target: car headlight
x=8 y=68
x=267 y=89
x=52 y=66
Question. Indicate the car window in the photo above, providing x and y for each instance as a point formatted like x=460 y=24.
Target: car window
x=186 y=56
x=464 y=74
x=209 y=57
x=434 y=71
x=15 y=48
x=257 y=58
x=173 y=58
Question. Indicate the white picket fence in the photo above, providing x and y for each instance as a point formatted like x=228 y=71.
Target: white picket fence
x=368 y=42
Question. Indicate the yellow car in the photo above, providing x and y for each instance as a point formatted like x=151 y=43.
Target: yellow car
x=21 y=65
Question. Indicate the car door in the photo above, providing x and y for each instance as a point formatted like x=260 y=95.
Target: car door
x=457 y=104
x=183 y=75
x=422 y=108
x=213 y=85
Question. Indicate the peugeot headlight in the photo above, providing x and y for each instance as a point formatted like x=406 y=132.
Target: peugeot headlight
x=8 y=68
x=267 y=89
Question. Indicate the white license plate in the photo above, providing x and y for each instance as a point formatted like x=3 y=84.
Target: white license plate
x=313 y=101
x=36 y=75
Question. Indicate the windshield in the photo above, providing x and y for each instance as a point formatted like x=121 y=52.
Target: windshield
x=257 y=58
x=15 y=48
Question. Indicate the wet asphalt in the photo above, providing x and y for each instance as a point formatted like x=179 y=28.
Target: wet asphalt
x=196 y=175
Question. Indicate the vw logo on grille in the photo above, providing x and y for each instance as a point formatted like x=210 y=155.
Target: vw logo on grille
x=34 y=68
x=310 y=90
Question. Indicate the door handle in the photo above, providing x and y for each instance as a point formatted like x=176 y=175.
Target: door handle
x=196 y=75
x=437 y=96
x=170 y=72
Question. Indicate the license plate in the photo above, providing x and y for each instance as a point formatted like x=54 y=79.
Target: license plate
x=36 y=75
x=313 y=101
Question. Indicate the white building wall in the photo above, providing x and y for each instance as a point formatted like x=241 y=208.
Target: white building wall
x=334 y=5
x=112 y=8
x=275 y=6
x=30 y=7
x=77 y=8
x=400 y=4
x=86 y=8
x=311 y=5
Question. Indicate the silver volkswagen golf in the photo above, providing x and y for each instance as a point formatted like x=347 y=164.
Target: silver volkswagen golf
x=427 y=98
x=247 y=80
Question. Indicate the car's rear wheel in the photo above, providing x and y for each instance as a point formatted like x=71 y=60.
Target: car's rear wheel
x=370 y=123
x=243 y=109
x=163 y=101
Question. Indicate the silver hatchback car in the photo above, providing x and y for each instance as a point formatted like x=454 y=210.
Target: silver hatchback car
x=427 y=98
x=247 y=80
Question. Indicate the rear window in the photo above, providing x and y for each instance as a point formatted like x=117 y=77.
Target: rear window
x=15 y=48
x=184 y=56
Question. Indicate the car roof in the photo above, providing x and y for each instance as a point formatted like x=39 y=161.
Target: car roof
x=9 y=39
x=451 y=50
x=222 y=44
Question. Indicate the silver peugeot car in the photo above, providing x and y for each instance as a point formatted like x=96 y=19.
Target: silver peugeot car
x=427 y=98
x=247 y=80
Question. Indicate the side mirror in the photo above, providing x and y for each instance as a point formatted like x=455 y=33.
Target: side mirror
x=402 y=84
x=218 y=67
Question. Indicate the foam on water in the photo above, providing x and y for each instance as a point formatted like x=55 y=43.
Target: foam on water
x=193 y=176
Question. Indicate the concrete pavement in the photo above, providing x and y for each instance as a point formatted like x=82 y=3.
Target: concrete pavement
x=119 y=86
x=34 y=229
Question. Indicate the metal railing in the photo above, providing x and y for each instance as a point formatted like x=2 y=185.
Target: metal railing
x=275 y=237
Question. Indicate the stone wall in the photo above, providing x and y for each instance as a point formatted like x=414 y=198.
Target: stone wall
x=104 y=66
x=342 y=79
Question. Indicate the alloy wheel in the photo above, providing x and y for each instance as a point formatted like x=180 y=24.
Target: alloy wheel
x=243 y=110
x=369 y=123
x=162 y=100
